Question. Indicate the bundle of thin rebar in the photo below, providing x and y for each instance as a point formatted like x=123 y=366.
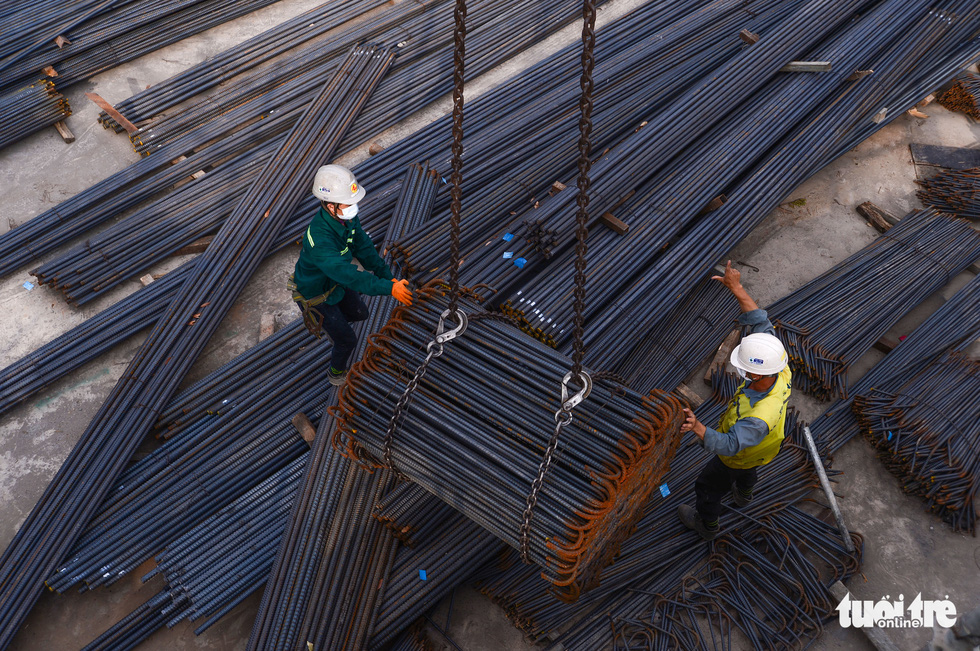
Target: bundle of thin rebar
x=695 y=327
x=831 y=321
x=30 y=108
x=927 y=432
x=494 y=394
x=411 y=512
x=963 y=95
x=956 y=192
x=953 y=327
x=215 y=565
x=178 y=338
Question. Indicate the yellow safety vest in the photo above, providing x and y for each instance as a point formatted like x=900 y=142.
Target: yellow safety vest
x=771 y=409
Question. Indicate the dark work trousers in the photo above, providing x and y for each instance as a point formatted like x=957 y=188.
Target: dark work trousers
x=336 y=323
x=715 y=481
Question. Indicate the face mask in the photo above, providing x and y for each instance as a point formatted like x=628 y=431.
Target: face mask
x=742 y=374
x=350 y=212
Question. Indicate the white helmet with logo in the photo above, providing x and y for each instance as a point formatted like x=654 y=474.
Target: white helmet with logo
x=760 y=353
x=336 y=184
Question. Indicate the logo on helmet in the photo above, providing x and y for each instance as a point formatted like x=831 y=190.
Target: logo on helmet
x=353 y=188
x=756 y=360
x=324 y=190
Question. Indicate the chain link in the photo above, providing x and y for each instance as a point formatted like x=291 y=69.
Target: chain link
x=435 y=349
x=563 y=416
x=456 y=177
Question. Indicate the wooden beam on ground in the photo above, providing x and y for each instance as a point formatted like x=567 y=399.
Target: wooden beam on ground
x=113 y=113
x=61 y=41
x=807 y=66
x=714 y=204
x=613 y=223
x=748 y=37
x=688 y=394
x=64 y=131
x=886 y=344
x=878 y=217
x=49 y=71
x=916 y=113
x=305 y=428
x=724 y=352
x=198 y=246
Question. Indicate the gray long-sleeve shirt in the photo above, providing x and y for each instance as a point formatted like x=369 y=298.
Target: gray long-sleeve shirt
x=750 y=430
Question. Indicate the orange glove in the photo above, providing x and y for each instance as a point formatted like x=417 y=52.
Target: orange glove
x=401 y=292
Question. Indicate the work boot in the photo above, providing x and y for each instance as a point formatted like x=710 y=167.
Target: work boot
x=692 y=520
x=335 y=377
x=740 y=497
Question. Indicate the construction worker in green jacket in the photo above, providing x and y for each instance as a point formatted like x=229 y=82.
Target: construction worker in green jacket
x=327 y=282
x=752 y=428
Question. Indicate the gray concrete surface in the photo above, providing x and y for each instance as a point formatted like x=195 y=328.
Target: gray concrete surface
x=906 y=549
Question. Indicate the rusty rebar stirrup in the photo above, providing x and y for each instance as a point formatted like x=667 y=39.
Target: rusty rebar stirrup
x=564 y=414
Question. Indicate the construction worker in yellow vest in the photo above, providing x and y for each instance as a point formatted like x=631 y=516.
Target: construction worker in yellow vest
x=751 y=429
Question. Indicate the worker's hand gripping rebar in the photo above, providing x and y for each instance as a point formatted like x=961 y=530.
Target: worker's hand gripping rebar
x=563 y=417
x=434 y=348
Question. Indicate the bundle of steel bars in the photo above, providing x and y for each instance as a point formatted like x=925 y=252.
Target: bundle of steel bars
x=178 y=338
x=953 y=327
x=29 y=109
x=495 y=394
x=831 y=321
x=927 y=432
x=214 y=566
x=411 y=513
x=956 y=192
x=963 y=95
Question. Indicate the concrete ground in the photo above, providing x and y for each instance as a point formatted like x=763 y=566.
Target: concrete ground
x=907 y=550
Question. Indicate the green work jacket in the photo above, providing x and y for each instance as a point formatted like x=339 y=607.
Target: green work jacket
x=326 y=261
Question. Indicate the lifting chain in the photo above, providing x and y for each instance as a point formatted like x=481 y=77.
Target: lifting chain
x=563 y=416
x=435 y=347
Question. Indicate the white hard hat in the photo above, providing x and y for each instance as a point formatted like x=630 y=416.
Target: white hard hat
x=336 y=184
x=760 y=353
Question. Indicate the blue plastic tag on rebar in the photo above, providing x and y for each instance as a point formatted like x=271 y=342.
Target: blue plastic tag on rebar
x=520 y=262
x=890 y=435
x=507 y=237
x=422 y=575
x=508 y=255
x=664 y=490
x=28 y=286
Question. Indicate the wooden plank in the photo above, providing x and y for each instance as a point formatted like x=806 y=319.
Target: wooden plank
x=886 y=344
x=878 y=217
x=748 y=37
x=64 y=131
x=724 y=352
x=49 y=71
x=714 y=204
x=199 y=246
x=305 y=428
x=688 y=394
x=916 y=113
x=954 y=158
x=112 y=112
x=929 y=99
x=859 y=74
x=374 y=149
x=147 y=279
x=807 y=66
x=61 y=41
x=610 y=221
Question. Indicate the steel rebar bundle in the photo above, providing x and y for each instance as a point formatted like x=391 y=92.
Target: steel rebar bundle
x=963 y=95
x=412 y=513
x=178 y=337
x=29 y=109
x=830 y=322
x=927 y=432
x=699 y=322
x=923 y=58
x=619 y=445
x=956 y=192
x=213 y=567
x=954 y=326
